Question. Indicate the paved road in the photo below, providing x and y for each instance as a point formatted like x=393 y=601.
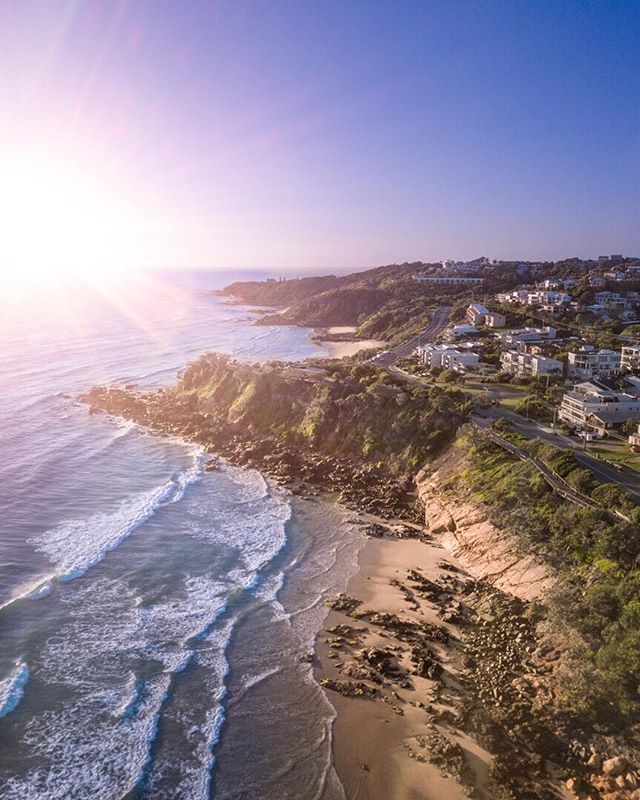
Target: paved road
x=436 y=326
x=625 y=478
x=555 y=480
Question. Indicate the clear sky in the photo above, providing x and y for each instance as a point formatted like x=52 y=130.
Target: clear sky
x=325 y=134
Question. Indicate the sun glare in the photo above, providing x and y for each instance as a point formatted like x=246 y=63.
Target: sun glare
x=59 y=221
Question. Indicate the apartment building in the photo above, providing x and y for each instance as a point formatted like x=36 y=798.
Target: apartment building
x=495 y=320
x=527 y=364
x=451 y=279
x=458 y=357
x=590 y=362
x=593 y=406
x=534 y=297
x=630 y=359
x=476 y=314
x=517 y=336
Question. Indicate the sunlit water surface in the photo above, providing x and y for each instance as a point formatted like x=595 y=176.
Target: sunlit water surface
x=154 y=617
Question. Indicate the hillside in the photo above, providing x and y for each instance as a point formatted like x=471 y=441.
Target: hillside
x=383 y=303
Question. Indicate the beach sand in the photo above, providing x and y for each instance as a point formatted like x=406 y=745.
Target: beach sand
x=342 y=329
x=342 y=349
x=377 y=754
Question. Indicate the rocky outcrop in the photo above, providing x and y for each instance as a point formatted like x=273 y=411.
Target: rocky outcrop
x=465 y=529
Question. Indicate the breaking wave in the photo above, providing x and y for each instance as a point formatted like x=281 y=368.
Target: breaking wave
x=12 y=689
x=77 y=545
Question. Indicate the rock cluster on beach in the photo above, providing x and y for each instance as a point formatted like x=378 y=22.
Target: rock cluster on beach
x=489 y=677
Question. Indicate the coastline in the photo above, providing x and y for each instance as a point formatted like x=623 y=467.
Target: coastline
x=339 y=341
x=343 y=349
x=440 y=680
x=434 y=674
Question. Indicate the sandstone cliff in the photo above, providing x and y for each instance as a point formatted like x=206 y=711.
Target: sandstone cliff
x=464 y=528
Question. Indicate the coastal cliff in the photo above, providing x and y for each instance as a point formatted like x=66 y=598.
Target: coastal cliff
x=349 y=428
x=384 y=303
x=464 y=527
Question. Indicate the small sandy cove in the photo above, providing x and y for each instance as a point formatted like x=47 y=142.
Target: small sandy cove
x=381 y=743
x=340 y=349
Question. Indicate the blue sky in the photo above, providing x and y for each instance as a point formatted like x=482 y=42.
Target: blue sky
x=302 y=135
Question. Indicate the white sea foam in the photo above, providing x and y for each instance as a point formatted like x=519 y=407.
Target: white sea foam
x=112 y=632
x=121 y=652
x=86 y=754
x=123 y=426
x=249 y=484
x=251 y=519
x=34 y=590
x=44 y=590
x=77 y=545
x=190 y=765
x=12 y=688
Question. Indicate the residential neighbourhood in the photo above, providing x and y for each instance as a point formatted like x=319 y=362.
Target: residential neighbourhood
x=578 y=341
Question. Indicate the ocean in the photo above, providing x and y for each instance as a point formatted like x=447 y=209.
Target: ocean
x=155 y=618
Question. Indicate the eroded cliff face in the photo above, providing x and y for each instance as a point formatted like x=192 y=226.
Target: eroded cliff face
x=463 y=526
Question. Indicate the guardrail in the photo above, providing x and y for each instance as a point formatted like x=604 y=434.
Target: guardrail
x=557 y=482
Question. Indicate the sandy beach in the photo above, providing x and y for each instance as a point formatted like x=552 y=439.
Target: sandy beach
x=382 y=745
x=342 y=347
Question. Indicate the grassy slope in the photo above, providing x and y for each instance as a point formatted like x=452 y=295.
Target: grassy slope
x=597 y=555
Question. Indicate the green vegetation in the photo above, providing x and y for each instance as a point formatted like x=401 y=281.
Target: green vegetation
x=594 y=550
x=342 y=408
x=531 y=408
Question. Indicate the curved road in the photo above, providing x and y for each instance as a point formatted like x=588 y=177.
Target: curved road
x=438 y=323
x=626 y=479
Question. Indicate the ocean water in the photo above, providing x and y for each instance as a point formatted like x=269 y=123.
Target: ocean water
x=154 y=617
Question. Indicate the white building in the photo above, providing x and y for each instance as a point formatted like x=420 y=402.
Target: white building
x=534 y=297
x=518 y=363
x=630 y=357
x=593 y=406
x=476 y=265
x=634 y=439
x=597 y=309
x=605 y=297
x=495 y=320
x=458 y=357
x=455 y=331
x=452 y=279
x=528 y=269
x=590 y=363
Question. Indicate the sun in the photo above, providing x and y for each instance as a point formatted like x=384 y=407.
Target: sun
x=58 y=220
